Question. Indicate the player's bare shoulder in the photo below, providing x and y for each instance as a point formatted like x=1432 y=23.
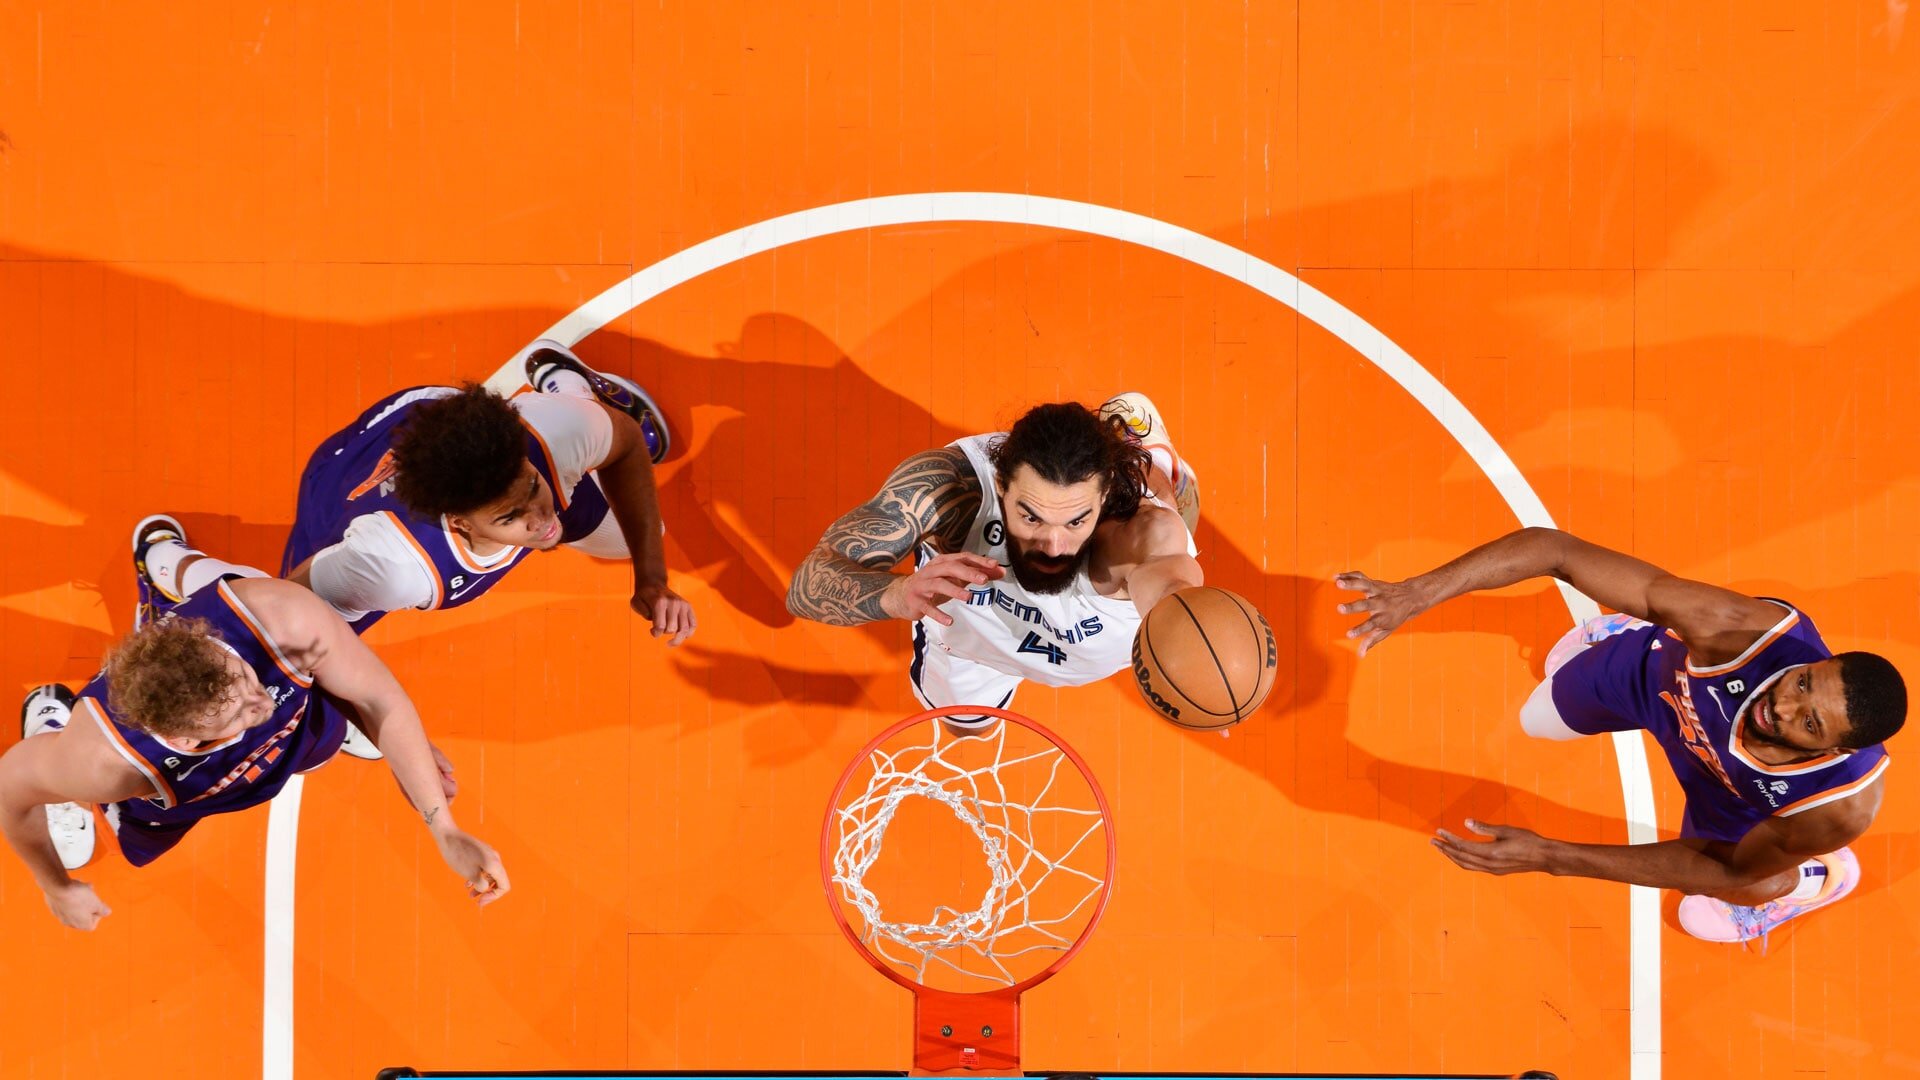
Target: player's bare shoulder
x=949 y=493
x=931 y=497
x=299 y=622
x=1153 y=531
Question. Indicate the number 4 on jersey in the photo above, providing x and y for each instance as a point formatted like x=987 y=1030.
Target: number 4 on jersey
x=1054 y=653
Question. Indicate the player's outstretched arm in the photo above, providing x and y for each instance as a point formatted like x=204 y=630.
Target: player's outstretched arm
x=627 y=477
x=318 y=640
x=1161 y=563
x=1712 y=619
x=1724 y=871
x=75 y=765
x=848 y=578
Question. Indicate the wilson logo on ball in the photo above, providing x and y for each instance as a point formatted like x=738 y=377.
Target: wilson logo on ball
x=1145 y=678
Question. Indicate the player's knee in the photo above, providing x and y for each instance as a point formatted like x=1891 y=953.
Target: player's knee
x=1540 y=717
x=1768 y=888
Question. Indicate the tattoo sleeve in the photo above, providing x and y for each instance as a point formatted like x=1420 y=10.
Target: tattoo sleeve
x=931 y=497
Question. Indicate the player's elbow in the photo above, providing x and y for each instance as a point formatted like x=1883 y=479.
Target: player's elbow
x=1546 y=547
x=800 y=599
x=1544 y=537
x=1185 y=572
x=19 y=791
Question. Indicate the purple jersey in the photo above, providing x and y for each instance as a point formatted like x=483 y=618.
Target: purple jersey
x=248 y=769
x=1643 y=678
x=350 y=476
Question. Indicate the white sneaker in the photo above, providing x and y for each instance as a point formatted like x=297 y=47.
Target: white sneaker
x=546 y=358
x=47 y=709
x=153 y=595
x=1145 y=427
x=356 y=744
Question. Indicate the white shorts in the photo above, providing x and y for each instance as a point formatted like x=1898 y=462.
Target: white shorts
x=940 y=678
x=606 y=541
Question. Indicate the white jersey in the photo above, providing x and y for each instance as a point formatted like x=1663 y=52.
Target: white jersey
x=1070 y=638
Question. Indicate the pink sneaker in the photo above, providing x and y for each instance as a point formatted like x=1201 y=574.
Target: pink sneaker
x=1716 y=920
x=1594 y=630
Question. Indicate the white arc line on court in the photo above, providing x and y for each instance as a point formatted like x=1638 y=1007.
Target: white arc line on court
x=1182 y=243
x=276 y=1014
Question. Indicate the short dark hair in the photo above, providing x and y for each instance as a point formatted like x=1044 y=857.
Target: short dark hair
x=1066 y=443
x=1876 y=698
x=458 y=453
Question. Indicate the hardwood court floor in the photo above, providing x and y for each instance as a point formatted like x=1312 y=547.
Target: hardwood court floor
x=1667 y=253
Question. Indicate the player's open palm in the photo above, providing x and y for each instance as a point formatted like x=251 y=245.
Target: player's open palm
x=1386 y=604
x=938 y=580
x=476 y=863
x=75 y=904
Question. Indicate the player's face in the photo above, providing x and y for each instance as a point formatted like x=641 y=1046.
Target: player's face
x=524 y=517
x=246 y=705
x=1805 y=709
x=1049 y=527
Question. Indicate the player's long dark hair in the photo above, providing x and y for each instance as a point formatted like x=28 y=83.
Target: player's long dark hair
x=1066 y=443
x=459 y=453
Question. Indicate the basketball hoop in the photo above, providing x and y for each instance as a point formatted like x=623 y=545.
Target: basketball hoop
x=1000 y=866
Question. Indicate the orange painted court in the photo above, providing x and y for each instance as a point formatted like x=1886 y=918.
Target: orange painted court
x=1402 y=276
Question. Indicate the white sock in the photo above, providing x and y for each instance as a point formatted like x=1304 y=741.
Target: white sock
x=209 y=570
x=1813 y=875
x=566 y=381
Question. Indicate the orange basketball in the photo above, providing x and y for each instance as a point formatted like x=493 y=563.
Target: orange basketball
x=1205 y=658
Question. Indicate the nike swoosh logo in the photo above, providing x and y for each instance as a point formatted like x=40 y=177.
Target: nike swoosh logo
x=179 y=776
x=1721 y=705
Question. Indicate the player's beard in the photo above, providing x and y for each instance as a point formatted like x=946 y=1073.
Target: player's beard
x=1038 y=574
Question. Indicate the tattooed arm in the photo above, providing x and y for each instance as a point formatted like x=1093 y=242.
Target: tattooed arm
x=848 y=578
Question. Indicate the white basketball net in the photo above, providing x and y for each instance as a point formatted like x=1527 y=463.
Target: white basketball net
x=1032 y=894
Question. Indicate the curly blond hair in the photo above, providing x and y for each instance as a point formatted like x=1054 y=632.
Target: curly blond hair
x=167 y=676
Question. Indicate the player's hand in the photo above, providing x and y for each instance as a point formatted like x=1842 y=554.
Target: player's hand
x=1387 y=604
x=672 y=617
x=1507 y=849
x=76 y=905
x=943 y=578
x=475 y=862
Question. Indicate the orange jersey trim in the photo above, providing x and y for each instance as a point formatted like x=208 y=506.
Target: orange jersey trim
x=433 y=572
x=559 y=497
x=160 y=788
x=260 y=632
x=1789 y=622
x=1822 y=798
